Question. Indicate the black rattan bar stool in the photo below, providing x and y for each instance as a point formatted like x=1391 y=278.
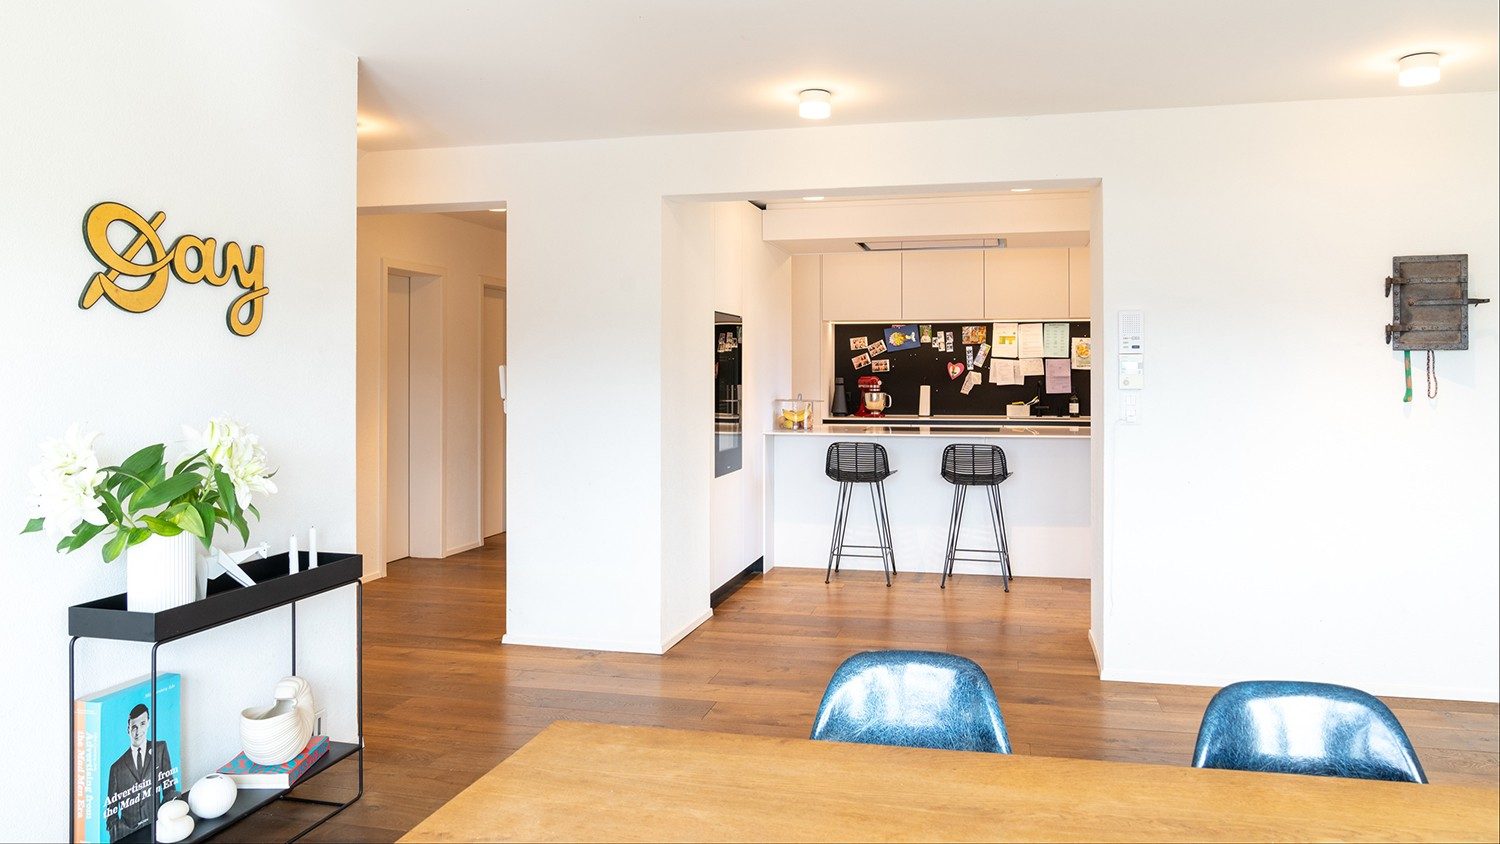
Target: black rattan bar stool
x=853 y=463
x=967 y=466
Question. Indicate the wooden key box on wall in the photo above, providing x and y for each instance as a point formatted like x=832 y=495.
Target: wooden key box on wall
x=1429 y=302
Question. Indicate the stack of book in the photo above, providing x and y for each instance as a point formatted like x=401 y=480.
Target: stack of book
x=247 y=774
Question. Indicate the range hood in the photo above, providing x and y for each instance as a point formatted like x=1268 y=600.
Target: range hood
x=931 y=245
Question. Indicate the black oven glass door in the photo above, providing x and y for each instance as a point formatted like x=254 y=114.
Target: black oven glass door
x=729 y=429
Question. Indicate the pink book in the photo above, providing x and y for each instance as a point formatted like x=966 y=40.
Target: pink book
x=247 y=774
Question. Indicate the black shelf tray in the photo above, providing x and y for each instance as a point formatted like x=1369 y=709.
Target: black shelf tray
x=227 y=601
x=247 y=801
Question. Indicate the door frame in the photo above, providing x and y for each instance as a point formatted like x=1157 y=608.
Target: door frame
x=488 y=282
x=415 y=270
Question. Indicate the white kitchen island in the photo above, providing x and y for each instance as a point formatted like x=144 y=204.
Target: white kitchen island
x=1046 y=499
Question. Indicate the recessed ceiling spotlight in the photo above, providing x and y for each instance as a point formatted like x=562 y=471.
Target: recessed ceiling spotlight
x=814 y=104
x=1419 y=69
x=812 y=199
x=498 y=210
x=1020 y=190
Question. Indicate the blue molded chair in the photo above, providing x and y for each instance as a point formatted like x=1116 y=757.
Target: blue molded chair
x=912 y=699
x=1305 y=728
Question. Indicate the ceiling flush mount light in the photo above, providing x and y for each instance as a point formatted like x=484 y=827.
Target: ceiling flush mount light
x=814 y=104
x=1020 y=190
x=812 y=199
x=1419 y=69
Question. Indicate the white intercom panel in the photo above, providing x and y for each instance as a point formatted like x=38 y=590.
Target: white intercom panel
x=1131 y=357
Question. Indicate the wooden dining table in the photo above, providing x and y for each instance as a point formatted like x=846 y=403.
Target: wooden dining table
x=597 y=782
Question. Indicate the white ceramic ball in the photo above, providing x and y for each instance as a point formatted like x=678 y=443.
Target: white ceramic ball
x=212 y=796
x=173 y=822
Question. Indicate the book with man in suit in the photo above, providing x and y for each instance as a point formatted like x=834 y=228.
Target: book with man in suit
x=113 y=727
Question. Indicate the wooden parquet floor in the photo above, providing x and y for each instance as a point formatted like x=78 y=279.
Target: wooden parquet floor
x=444 y=702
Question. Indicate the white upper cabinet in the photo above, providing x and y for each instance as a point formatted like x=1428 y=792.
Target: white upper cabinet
x=942 y=285
x=1026 y=284
x=862 y=286
x=1078 y=282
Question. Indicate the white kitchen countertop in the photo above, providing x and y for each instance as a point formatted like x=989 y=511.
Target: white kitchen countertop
x=1018 y=429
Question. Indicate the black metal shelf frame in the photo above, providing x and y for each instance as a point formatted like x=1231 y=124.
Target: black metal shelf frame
x=274 y=588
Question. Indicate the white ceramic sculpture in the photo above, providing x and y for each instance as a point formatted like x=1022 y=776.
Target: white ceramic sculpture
x=274 y=734
x=173 y=823
x=212 y=796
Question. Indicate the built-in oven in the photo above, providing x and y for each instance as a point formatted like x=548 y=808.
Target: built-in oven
x=729 y=433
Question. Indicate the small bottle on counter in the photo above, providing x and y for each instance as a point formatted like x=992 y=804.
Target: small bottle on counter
x=1072 y=405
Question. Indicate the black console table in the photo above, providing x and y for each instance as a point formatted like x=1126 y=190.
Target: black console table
x=227 y=601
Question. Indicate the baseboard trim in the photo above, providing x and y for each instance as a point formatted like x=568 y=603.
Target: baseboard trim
x=667 y=643
x=1094 y=646
x=733 y=585
x=448 y=552
x=1384 y=690
x=584 y=644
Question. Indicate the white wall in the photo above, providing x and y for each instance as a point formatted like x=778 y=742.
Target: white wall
x=1244 y=536
x=459 y=253
x=752 y=279
x=239 y=129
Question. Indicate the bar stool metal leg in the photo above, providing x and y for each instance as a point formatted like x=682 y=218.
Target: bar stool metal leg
x=885 y=515
x=999 y=527
x=835 y=544
x=880 y=536
x=1004 y=538
x=955 y=525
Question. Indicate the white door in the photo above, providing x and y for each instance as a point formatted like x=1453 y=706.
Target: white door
x=398 y=419
x=494 y=415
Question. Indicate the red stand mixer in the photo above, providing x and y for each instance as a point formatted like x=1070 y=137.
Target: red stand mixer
x=872 y=402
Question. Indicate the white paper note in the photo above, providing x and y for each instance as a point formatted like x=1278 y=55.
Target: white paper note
x=971 y=381
x=1031 y=366
x=1003 y=340
x=1059 y=376
x=1054 y=339
x=1029 y=340
x=1004 y=372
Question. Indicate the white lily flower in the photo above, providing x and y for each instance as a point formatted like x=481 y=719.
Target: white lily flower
x=237 y=453
x=65 y=484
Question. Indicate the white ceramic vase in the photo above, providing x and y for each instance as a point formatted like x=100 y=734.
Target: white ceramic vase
x=271 y=735
x=161 y=573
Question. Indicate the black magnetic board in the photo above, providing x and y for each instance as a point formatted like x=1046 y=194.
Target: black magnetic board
x=911 y=368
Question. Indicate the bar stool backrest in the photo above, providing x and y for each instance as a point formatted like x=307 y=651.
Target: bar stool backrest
x=857 y=462
x=976 y=465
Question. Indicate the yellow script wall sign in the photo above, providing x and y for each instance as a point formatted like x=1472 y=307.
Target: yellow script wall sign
x=191 y=259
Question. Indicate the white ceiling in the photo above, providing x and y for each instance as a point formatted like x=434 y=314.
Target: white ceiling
x=488 y=219
x=460 y=72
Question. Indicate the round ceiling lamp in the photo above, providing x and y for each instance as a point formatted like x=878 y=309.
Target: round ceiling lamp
x=814 y=104
x=1419 y=69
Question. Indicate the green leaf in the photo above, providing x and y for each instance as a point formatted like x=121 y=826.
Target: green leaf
x=83 y=534
x=206 y=515
x=33 y=525
x=189 y=520
x=137 y=467
x=226 y=493
x=166 y=490
x=254 y=512
x=239 y=524
x=115 y=545
x=143 y=462
x=111 y=508
x=187 y=462
x=161 y=526
x=139 y=535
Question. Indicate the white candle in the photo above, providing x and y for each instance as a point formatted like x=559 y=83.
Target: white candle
x=291 y=555
x=312 y=548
